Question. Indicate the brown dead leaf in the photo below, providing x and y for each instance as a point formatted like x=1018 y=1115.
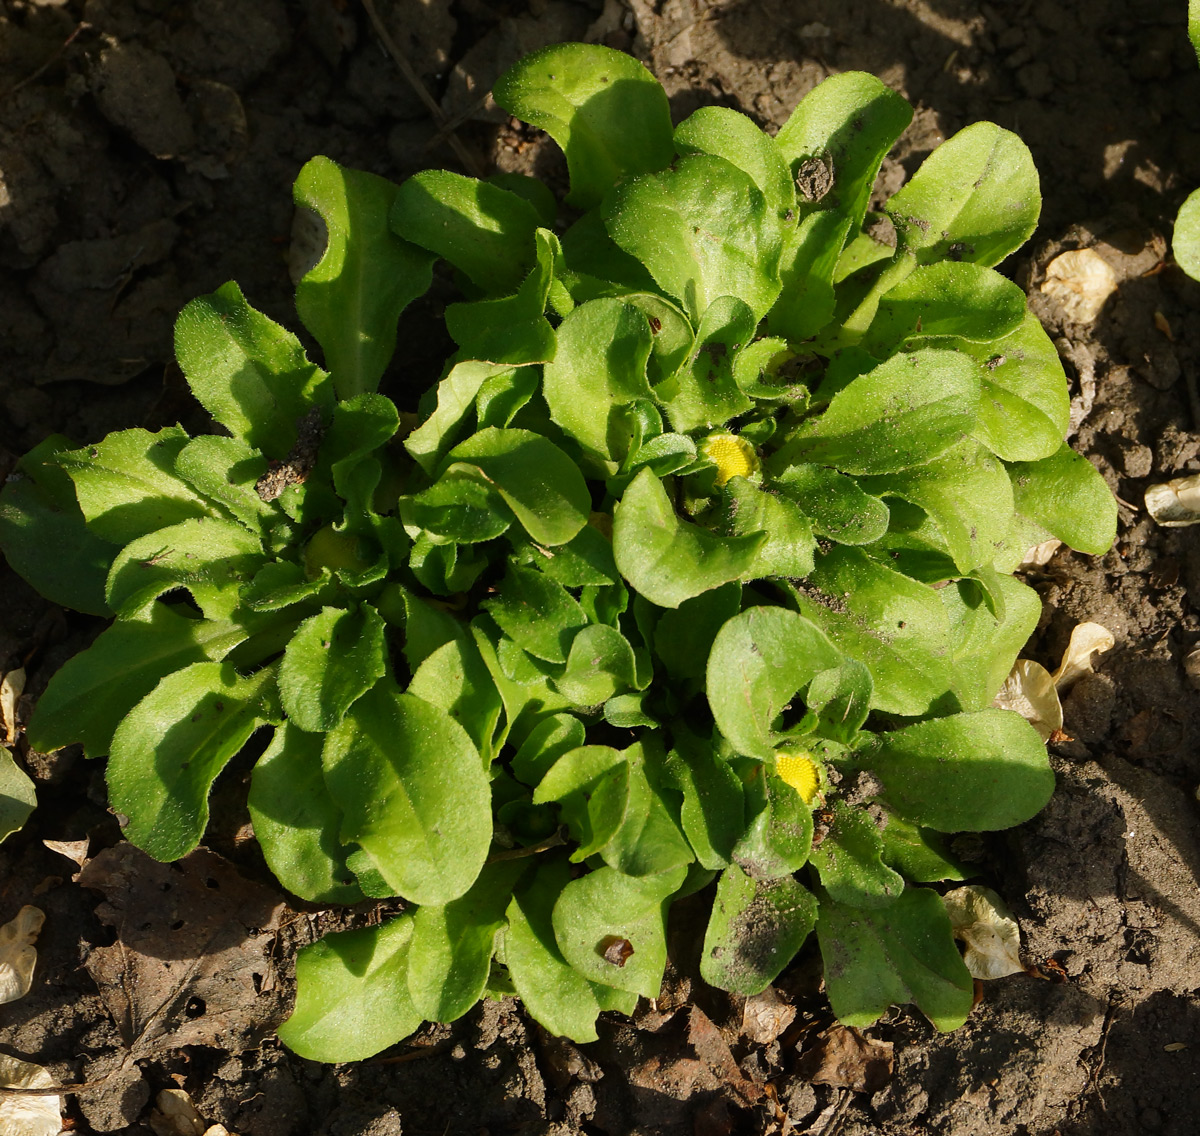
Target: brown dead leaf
x=191 y=964
x=765 y=1016
x=842 y=1056
x=713 y=1050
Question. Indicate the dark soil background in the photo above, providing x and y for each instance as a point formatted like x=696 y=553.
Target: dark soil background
x=147 y=151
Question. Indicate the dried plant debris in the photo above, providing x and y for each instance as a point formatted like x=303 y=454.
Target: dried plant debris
x=843 y=1057
x=191 y=964
x=1087 y=639
x=176 y=1115
x=11 y=688
x=18 y=955
x=1029 y=690
x=765 y=1016
x=1034 y=693
x=983 y=923
x=1176 y=503
x=32 y=1115
x=1081 y=281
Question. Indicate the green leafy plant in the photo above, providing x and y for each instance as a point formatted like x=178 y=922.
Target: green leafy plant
x=1186 y=241
x=696 y=564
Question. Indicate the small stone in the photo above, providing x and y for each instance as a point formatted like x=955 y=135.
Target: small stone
x=1035 y=80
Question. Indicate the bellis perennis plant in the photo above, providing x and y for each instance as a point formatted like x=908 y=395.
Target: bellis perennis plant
x=693 y=569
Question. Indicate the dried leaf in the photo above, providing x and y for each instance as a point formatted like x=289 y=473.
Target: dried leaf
x=18 y=955
x=842 y=1056
x=11 y=687
x=714 y=1051
x=1087 y=639
x=190 y=965
x=1081 y=281
x=27 y=1115
x=981 y=920
x=765 y=1016
x=1029 y=690
x=1040 y=554
x=175 y=1115
x=76 y=850
x=1174 y=504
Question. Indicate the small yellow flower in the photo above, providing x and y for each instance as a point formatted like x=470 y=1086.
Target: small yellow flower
x=732 y=456
x=798 y=769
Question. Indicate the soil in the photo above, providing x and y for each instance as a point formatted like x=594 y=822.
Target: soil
x=147 y=151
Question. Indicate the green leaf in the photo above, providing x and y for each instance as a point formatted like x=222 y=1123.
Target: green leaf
x=599 y=367
x=169 y=748
x=483 y=230
x=209 y=556
x=18 y=797
x=455 y=678
x=893 y=624
x=591 y=787
x=456 y=394
x=714 y=802
x=976 y=772
x=554 y=992
x=778 y=836
x=226 y=470
x=703 y=229
x=839 y=700
x=760 y=660
x=905 y=412
x=788 y=549
x=546 y=743
x=600 y=664
x=975 y=198
x=904 y=952
x=89 y=696
x=352 y=297
x=836 y=504
x=683 y=637
x=458 y=507
x=511 y=329
x=1066 y=495
x=501 y=398
x=603 y=907
x=1194 y=24
x=606 y=111
x=755 y=930
x=594 y=266
x=1185 y=244
x=413 y=791
x=704 y=391
x=963 y=300
x=986 y=646
x=726 y=134
x=296 y=821
x=917 y=853
x=352 y=994
x=850 y=861
x=127 y=485
x=334 y=658
x=249 y=373
x=585 y=560
x=538 y=614
x=1025 y=406
x=538 y=482
x=39 y=517
x=968 y=494
x=668 y=560
x=451 y=950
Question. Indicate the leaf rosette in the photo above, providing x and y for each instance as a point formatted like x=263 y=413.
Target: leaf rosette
x=694 y=564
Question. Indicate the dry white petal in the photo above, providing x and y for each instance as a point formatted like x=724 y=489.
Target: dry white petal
x=1081 y=281
x=31 y=1115
x=18 y=956
x=816 y=31
x=1174 y=504
x=76 y=850
x=1087 y=639
x=1029 y=690
x=1039 y=555
x=176 y=1115
x=981 y=920
x=10 y=690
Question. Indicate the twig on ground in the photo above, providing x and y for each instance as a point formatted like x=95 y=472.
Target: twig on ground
x=414 y=80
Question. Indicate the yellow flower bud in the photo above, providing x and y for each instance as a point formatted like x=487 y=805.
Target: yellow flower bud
x=732 y=456
x=798 y=769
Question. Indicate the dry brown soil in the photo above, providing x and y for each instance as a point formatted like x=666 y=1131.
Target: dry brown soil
x=147 y=150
